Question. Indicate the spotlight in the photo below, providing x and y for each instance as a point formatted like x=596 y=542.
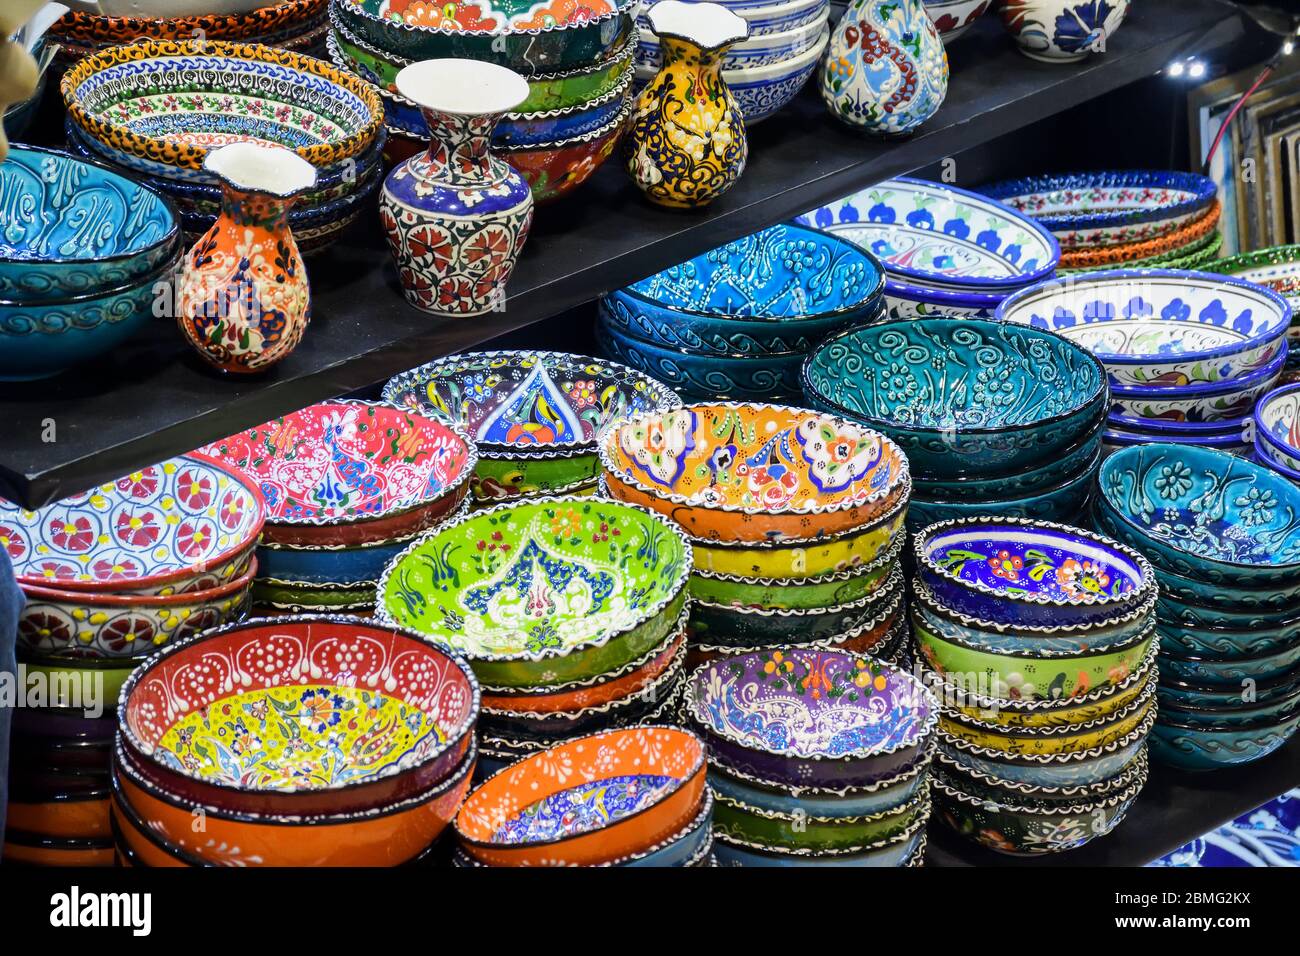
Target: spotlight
x=1196 y=70
x=1176 y=69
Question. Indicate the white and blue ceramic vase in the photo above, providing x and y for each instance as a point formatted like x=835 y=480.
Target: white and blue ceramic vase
x=886 y=70
x=457 y=216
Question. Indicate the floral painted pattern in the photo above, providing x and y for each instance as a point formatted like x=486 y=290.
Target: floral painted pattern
x=583 y=808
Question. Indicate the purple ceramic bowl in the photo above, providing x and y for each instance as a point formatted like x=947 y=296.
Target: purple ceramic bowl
x=59 y=724
x=812 y=718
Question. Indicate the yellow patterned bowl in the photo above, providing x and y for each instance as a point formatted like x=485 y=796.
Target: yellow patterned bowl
x=1058 y=740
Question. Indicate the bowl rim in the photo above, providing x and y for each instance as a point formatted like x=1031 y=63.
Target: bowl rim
x=894 y=584
x=454 y=735
x=896 y=288
x=1268 y=683
x=1121 y=438
x=924 y=598
x=758 y=41
x=619 y=8
x=1138 y=767
x=1134 y=737
x=1139 y=705
x=904 y=836
x=1122 y=277
x=383 y=616
x=138 y=286
x=1261 y=430
x=764 y=72
x=1090 y=437
x=916 y=801
x=1147 y=635
x=1246 y=727
x=1292 y=622
x=1259 y=457
x=1196 y=390
x=111 y=599
x=1119 y=799
x=1166 y=595
x=789 y=791
x=1244 y=262
x=1276 y=652
x=1200 y=187
x=591 y=136
x=885 y=557
x=1230 y=427
x=1085 y=476
x=1281 y=702
x=833 y=643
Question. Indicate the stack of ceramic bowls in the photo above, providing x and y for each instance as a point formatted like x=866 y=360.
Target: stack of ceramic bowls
x=1040 y=640
x=348 y=484
x=1144 y=219
x=995 y=419
x=535 y=417
x=736 y=322
x=1278 y=269
x=816 y=758
x=571 y=610
x=627 y=797
x=764 y=72
x=292 y=24
x=1188 y=353
x=945 y=251
x=577 y=60
x=794 y=518
x=1224 y=536
x=85 y=289
x=308 y=741
x=124 y=107
x=1277 y=432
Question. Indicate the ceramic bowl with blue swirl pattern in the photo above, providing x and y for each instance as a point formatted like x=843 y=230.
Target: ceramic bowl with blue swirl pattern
x=1205 y=670
x=1282 y=689
x=1192 y=747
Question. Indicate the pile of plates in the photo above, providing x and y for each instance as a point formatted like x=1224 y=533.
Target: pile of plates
x=629 y=797
x=1188 y=353
x=571 y=611
x=795 y=522
x=1277 y=431
x=535 y=417
x=994 y=418
x=1224 y=537
x=363 y=765
x=946 y=251
x=736 y=322
x=1040 y=640
x=816 y=758
x=124 y=108
x=348 y=484
x=1278 y=269
x=577 y=59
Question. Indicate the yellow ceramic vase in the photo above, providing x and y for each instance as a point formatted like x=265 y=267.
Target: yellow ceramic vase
x=686 y=143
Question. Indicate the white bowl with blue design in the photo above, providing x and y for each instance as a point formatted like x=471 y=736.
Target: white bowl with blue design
x=773 y=16
x=1199 y=402
x=1277 y=428
x=759 y=50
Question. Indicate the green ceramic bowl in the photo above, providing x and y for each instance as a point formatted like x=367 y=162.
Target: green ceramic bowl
x=306 y=598
x=88 y=684
x=812 y=834
x=545 y=591
x=840 y=587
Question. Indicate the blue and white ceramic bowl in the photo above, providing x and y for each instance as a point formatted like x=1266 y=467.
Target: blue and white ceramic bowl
x=1277 y=427
x=1168 y=429
x=907 y=301
x=1290 y=474
x=1227 y=400
x=759 y=50
x=1155 y=327
x=774 y=16
x=1191 y=747
x=938 y=236
x=762 y=90
x=1061 y=503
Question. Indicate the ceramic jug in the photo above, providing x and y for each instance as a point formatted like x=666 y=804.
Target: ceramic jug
x=686 y=142
x=886 y=70
x=1062 y=31
x=457 y=215
x=243 y=300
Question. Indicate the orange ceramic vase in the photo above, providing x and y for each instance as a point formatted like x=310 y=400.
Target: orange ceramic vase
x=243 y=300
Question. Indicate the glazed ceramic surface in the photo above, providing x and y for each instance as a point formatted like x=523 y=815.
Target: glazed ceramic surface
x=907 y=849
x=555 y=169
x=1225 y=401
x=952 y=18
x=935 y=234
x=1068 y=463
x=906 y=301
x=803 y=832
x=886 y=70
x=831 y=590
x=1210 y=748
x=761 y=91
x=1277 y=424
x=1062 y=31
x=1191 y=239
x=121 y=21
x=758 y=50
x=1235 y=672
x=1082 y=769
x=1062 y=502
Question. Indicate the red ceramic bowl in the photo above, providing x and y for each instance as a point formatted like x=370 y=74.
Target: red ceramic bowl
x=134 y=838
x=556 y=169
x=205 y=719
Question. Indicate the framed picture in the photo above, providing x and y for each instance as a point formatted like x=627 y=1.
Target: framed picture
x=1270 y=113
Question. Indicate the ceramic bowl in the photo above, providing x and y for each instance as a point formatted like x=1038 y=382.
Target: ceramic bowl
x=1114 y=439
x=650 y=780
x=186 y=524
x=906 y=301
x=83 y=230
x=766 y=17
x=1241 y=429
x=882 y=637
x=535 y=417
x=315 y=567
x=822 y=719
x=1277 y=426
x=1083 y=768
x=961 y=396
x=1257 y=666
x=346 y=472
x=766 y=796
x=556 y=168
x=86 y=684
x=952 y=18
x=754 y=473
x=1290 y=474
x=907 y=849
x=122 y=21
x=298 y=598
x=339 y=743
x=1207 y=402
x=759 y=50
x=1197 y=256
x=1202 y=513
x=1276 y=268
x=71 y=808
x=1061 y=502
x=543 y=592
x=1106 y=208
x=1025 y=572
x=1242 y=711
x=1158 y=327
x=1210 y=747
x=802 y=831
x=1281 y=691
x=1196 y=235
x=1227 y=605
x=978 y=784
x=935 y=235
x=1184 y=631
x=34 y=849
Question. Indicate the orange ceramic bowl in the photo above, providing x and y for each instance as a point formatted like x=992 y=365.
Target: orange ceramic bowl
x=1194 y=231
x=754 y=473
x=650 y=781
x=35 y=850
x=74 y=816
x=143 y=845
x=385 y=836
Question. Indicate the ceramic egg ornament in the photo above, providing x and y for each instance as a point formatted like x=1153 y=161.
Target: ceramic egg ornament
x=886 y=69
x=1062 y=31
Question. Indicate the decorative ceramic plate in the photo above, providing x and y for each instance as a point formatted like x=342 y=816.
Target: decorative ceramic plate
x=153 y=530
x=1277 y=424
x=940 y=235
x=1160 y=327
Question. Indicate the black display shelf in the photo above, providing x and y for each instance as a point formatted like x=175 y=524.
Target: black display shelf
x=153 y=398
x=1174 y=808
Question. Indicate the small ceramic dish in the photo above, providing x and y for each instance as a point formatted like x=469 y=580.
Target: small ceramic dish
x=640 y=785
x=1019 y=572
x=1107 y=208
x=1154 y=253
x=1084 y=768
x=543 y=592
x=1207 y=402
x=1225 y=637
x=906 y=849
x=812 y=718
x=1211 y=747
x=754 y=473
x=933 y=234
x=803 y=831
x=1277 y=426
x=1062 y=502
x=1155 y=327
x=1258 y=666
x=1203 y=514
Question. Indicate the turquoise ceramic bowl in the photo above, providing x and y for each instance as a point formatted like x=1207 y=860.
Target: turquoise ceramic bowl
x=1183 y=630
x=1208 y=696
x=1203 y=514
x=1231 y=715
x=1192 y=747
x=1275 y=601
x=1062 y=503
x=1204 y=670
x=961 y=396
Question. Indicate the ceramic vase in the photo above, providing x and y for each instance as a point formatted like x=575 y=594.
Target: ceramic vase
x=686 y=143
x=886 y=70
x=1062 y=31
x=243 y=300
x=457 y=215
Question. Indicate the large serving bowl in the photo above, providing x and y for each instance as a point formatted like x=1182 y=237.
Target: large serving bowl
x=1061 y=502
x=812 y=718
x=1224 y=401
x=961 y=396
x=754 y=473
x=1277 y=427
x=123 y=21
x=1202 y=514
x=1210 y=746
x=543 y=592
x=1156 y=327
x=650 y=782
x=938 y=235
